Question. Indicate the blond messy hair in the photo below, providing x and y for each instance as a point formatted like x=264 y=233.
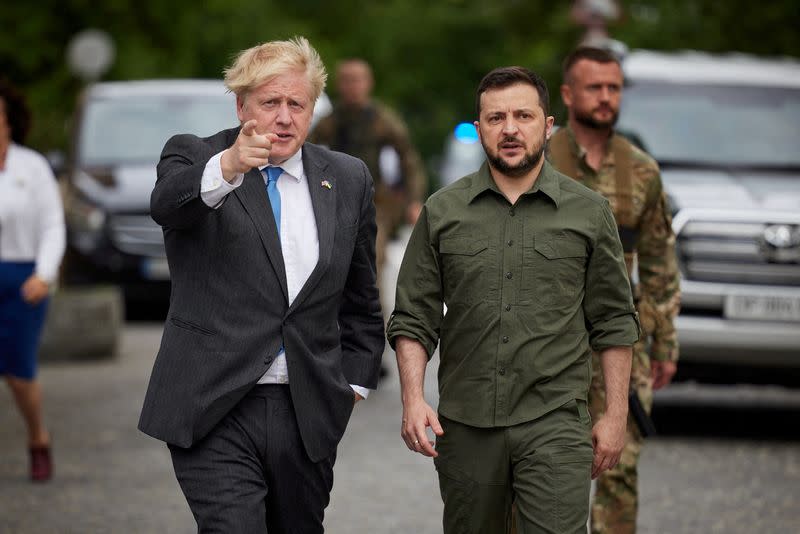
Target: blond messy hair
x=262 y=63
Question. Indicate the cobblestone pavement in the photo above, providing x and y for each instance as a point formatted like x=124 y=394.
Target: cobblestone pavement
x=111 y=478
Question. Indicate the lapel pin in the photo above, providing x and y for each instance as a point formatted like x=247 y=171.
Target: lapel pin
x=326 y=184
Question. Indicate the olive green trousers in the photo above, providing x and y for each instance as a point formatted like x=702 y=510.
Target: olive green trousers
x=543 y=465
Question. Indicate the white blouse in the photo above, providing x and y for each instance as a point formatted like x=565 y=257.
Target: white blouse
x=31 y=215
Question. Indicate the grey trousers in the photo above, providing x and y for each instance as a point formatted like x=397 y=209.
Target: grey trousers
x=251 y=474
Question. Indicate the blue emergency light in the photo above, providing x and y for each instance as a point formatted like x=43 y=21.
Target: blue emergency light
x=466 y=133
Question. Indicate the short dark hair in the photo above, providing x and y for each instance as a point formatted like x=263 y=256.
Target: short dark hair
x=502 y=77
x=598 y=55
x=18 y=115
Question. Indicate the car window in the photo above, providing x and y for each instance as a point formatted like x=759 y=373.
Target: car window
x=135 y=129
x=716 y=125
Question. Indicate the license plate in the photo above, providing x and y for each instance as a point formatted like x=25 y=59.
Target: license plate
x=155 y=269
x=763 y=307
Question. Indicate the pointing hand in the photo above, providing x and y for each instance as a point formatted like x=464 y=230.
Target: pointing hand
x=250 y=150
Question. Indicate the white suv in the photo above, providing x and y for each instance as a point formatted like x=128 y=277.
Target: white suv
x=725 y=130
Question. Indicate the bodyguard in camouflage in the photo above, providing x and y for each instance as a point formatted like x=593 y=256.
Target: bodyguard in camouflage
x=372 y=132
x=531 y=269
x=590 y=151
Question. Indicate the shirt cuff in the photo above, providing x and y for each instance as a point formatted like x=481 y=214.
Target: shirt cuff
x=213 y=187
x=620 y=331
x=47 y=265
x=364 y=392
x=412 y=330
x=47 y=274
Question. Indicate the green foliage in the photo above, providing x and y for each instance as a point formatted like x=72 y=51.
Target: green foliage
x=767 y=28
x=428 y=57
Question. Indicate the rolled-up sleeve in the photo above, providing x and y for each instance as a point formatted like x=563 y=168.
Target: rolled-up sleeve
x=608 y=304
x=418 y=302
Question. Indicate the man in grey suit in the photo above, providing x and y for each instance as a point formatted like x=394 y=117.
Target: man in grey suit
x=274 y=329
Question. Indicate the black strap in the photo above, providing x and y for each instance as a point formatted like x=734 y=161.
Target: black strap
x=628 y=236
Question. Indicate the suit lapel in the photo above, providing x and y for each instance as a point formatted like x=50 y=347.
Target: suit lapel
x=253 y=196
x=323 y=200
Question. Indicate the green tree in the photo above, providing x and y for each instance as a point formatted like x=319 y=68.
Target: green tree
x=428 y=57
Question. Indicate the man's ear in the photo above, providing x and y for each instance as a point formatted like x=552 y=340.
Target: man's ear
x=240 y=107
x=566 y=94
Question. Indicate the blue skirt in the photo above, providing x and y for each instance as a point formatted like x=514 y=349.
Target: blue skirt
x=20 y=323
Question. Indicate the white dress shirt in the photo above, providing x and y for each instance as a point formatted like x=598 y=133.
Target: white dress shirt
x=31 y=215
x=298 y=229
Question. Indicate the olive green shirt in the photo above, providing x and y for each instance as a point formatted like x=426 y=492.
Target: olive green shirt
x=529 y=289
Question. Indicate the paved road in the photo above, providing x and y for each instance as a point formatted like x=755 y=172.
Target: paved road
x=110 y=478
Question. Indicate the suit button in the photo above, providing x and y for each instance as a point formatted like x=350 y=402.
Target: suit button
x=505 y=339
x=502 y=371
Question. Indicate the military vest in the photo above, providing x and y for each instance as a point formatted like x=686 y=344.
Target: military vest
x=562 y=158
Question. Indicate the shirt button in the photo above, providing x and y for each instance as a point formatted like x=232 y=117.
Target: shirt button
x=508 y=307
x=509 y=275
x=505 y=339
x=502 y=371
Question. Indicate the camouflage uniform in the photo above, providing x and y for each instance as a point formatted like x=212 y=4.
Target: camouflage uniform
x=364 y=133
x=640 y=207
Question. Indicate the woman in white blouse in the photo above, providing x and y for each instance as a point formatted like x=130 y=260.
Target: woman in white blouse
x=32 y=240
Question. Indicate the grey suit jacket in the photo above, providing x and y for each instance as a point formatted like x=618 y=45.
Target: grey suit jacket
x=229 y=312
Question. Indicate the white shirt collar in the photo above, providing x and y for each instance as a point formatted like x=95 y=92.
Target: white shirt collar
x=292 y=166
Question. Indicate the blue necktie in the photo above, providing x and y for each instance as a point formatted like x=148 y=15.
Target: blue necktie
x=275 y=200
x=274 y=195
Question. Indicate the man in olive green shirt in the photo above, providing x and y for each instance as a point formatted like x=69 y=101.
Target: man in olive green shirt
x=530 y=267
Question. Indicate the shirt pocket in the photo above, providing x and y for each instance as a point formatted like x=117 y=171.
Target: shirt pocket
x=465 y=264
x=557 y=268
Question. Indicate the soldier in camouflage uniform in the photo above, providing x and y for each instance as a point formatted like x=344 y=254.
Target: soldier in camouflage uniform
x=589 y=150
x=368 y=130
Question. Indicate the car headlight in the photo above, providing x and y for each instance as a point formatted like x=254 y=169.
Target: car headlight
x=83 y=216
x=85 y=221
